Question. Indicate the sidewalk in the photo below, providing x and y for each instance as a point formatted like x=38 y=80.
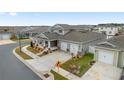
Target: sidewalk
x=66 y=74
x=39 y=73
x=4 y=42
x=24 y=49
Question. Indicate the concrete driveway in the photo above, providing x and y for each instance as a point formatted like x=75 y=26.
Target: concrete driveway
x=102 y=71
x=47 y=62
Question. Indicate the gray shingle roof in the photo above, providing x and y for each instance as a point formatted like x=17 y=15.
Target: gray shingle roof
x=49 y=35
x=75 y=27
x=75 y=36
x=78 y=36
x=39 y=29
x=117 y=42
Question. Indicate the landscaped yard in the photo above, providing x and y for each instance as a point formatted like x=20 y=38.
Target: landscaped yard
x=32 y=50
x=23 y=55
x=83 y=64
x=57 y=76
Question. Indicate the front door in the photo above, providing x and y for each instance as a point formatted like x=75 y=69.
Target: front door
x=46 y=43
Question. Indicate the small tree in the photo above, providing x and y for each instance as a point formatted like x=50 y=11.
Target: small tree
x=13 y=37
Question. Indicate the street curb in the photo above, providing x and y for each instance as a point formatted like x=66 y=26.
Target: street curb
x=29 y=66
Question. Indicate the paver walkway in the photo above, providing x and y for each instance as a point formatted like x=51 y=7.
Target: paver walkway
x=24 y=49
x=66 y=74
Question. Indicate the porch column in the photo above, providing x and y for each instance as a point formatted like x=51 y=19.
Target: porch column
x=48 y=44
x=43 y=43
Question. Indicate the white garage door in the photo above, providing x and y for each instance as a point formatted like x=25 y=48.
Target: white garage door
x=74 y=48
x=106 y=57
x=63 y=46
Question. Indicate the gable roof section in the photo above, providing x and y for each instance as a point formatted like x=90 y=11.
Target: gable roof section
x=48 y=36
x=116 y=42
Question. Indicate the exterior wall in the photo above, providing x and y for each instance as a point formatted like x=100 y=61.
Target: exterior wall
x=92 y=49
x=114 y=52
x=57 y=29
x=85 y=47
x=121 y=59
x=82 y=47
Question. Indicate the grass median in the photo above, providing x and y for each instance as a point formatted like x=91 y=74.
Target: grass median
x=32 y=50
x=22 y=54
x=58 y=76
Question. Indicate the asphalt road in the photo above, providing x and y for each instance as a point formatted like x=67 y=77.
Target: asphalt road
x=11 y=68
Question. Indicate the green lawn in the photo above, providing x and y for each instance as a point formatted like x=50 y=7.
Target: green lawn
x=22 y=54
x=82 y=62
x=32 y=50
x=57 y=76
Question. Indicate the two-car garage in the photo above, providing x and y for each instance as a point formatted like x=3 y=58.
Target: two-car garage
x=73 y=48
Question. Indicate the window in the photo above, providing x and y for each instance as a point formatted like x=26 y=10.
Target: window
x=110 y=32
x=60 y=31
x=40 y=42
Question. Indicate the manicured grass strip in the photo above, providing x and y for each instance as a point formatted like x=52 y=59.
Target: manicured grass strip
x=82 y=62
x=22 y=54
x=58 y=76
x=32 y=50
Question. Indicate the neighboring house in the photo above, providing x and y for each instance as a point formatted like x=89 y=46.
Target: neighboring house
x=35 y=30
x=24 y=31
x=68 y=38
x=109 y=29
x=111 y=51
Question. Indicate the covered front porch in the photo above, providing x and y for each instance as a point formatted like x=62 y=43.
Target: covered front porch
x=46 y=41
x=48 y=44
